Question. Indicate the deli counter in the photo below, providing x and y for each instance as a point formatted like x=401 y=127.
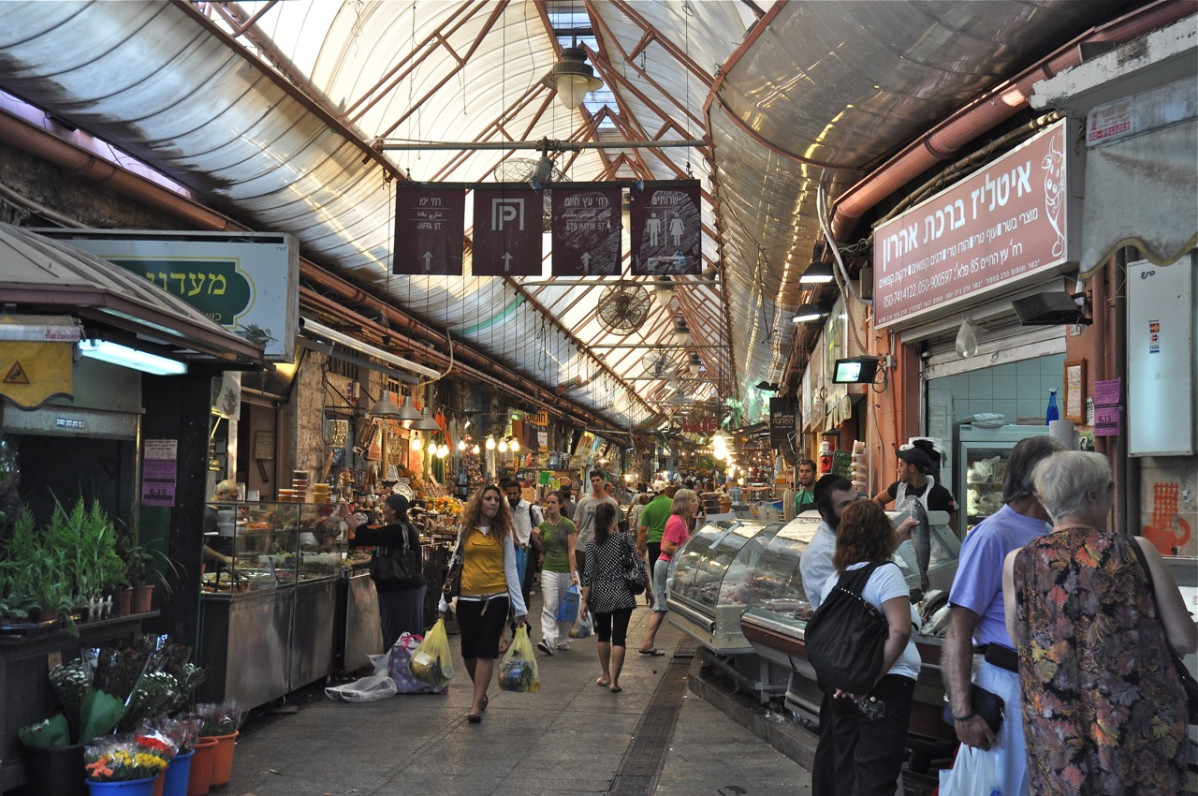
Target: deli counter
x=267 y=618
x=735 y=587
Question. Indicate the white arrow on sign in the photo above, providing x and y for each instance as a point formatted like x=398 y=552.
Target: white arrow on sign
x=586 y=261
x=428 y=261
x=507 y=262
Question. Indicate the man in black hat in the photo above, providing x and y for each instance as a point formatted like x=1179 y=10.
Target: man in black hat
x=914 y=483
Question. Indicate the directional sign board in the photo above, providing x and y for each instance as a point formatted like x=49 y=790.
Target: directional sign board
x=428 y=230
x=666 y=232
x=508 y=230
x=586 y=231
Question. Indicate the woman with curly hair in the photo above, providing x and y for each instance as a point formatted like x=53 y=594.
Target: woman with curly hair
x=863 y=743
x=490 y=585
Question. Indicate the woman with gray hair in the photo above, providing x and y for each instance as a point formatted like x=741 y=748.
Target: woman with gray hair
x=1103 y=708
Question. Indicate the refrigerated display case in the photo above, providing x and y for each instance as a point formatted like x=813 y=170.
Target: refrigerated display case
x=777 y=614
x=709 y=582
x=979 y=463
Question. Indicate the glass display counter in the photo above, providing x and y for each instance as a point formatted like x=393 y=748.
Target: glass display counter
x=709 y=582
x=267 y=619
x=778 y=610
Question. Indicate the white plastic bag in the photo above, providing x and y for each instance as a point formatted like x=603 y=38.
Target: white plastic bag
x=366 y=689
x=975 y=773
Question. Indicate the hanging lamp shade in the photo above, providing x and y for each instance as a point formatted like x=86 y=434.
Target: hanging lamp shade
x=407 y=411
x=425 y=422
x=384 y=407
x=572 y=77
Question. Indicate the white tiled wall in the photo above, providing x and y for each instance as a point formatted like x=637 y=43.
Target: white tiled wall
x=1018 y=390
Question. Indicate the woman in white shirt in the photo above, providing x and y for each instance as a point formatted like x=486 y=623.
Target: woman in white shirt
x=863 y=744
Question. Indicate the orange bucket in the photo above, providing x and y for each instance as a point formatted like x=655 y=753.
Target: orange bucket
x=199 y=780
x=222 y=759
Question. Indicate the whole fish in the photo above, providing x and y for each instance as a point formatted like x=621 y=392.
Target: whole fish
x=921 y=538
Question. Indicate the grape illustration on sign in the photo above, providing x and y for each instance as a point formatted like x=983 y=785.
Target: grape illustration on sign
x=508 y=231
x=666 y=230
x=586 y=231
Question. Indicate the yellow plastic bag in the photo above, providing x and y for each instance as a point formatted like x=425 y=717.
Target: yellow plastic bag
x=518 y=669
x=432 y=661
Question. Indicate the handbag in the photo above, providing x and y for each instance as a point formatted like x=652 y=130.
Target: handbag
x=846 y=636
x=452 y=585
x=1188 y=683
x=983 y=703
x=390 y=565
x=635 y=577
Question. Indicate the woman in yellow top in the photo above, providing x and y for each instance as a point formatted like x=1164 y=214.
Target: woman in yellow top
x=490 y=585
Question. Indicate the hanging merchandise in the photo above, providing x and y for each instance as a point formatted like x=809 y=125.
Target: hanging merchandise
x=967 y=339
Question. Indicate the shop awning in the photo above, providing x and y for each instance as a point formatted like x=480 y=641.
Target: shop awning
x=1140 y=192
x=39 y=275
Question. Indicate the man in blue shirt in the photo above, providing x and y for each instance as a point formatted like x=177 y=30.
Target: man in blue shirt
x=976 y=617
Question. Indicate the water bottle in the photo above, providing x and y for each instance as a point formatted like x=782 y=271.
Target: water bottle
x=1053 y=413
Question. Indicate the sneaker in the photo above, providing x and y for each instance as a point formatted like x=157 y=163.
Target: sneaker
x=563 y=645
x=545 y=648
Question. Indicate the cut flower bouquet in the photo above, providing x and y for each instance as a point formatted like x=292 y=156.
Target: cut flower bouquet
x=123 y=758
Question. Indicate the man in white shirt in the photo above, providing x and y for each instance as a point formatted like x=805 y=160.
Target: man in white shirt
x=526 y=518
x=832 y=494
x=584 y=516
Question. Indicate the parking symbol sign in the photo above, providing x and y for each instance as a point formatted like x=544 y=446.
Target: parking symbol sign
x=507 y=231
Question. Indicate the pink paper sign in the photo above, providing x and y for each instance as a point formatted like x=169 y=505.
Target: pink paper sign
x=1107 y=421
x=1107 y=392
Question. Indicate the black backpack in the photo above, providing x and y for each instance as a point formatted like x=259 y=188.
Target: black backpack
x=846 y=636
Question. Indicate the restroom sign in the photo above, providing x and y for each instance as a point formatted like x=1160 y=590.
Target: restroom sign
x=509 y=227
x=666 y=229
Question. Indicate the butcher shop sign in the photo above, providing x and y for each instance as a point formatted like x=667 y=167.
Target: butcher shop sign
x=1005 y=222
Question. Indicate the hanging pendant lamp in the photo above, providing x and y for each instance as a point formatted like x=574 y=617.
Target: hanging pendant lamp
x=425 y=422
x=572 y=77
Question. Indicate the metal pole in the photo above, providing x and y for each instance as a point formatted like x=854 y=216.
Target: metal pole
x=384 y=144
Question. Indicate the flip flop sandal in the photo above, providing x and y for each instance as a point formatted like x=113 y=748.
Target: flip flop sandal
x=655 y=652
x=602 y=683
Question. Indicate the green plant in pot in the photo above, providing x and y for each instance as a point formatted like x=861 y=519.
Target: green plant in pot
x=38 y=577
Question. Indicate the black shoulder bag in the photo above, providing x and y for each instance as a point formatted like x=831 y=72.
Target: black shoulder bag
x=635 y=576
x=390 y=566
x=846 y=636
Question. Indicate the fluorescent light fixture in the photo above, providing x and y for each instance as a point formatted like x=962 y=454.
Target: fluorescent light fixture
x=117 y=354
x=818 y=273
x=320 y=330
x=808 y=313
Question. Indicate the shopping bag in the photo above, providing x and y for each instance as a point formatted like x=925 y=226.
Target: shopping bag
x=568 y=610
x=432 y=661
x=584 y=628
x=518 y=669
x=400 y=668
x=365 y=689
x=975 y=773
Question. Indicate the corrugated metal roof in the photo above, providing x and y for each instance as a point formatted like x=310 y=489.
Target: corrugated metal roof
x=274 y=123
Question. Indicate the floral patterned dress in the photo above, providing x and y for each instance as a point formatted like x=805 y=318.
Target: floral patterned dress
x=1103 y=709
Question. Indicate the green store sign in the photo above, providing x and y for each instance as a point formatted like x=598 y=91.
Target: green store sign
x=213 y=287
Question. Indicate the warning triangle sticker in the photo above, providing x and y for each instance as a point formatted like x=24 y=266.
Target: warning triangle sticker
x=16 y=375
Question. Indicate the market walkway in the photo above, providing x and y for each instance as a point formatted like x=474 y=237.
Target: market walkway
x=572 y=737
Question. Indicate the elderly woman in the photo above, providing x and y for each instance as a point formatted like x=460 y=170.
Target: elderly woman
x=1103 y=708
x=677 y=531
x=605 y=592
x=865 y=735
x=490 y=585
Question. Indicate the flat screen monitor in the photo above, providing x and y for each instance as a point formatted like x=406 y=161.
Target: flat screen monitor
x=857 y=370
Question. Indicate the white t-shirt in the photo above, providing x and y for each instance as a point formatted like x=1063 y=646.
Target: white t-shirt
x=884 y=584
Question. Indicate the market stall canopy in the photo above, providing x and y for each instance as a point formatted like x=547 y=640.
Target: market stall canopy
x=39 y=275
x=285 y=114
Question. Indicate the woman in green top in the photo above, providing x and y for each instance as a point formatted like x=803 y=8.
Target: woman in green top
x=558 y=538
